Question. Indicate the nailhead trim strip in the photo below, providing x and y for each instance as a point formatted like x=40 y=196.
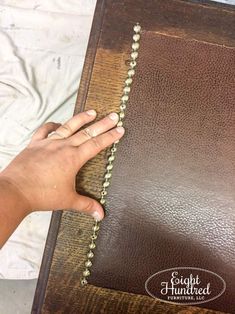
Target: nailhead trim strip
x=108 y=174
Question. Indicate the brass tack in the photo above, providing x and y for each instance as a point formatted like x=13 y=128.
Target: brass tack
x=95 y=228
x=134 y=55
x=135 y=46
x=84 y=282
x=107 y=176
x=86 y=273
x=128 y=81
x=137 y=28
x=126 y=89
x=88 y=263
x=112 y=157
x=92 y=246
x=124 y=98
x=93 y=237
x=90 y=254
x=121 y=114
x=103 y=193
x=131 y=72
x=133 y=64
x=136 y=37
x=105 y=184
x=109 y=167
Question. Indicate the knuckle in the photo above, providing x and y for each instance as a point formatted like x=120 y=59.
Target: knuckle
x=53 y=146
x=49 y=123
x=96 y=142
x=83 y=132
x=112 y=135
x=41 y=128
x=89 y=206
x=67 y=151
x=67 y=128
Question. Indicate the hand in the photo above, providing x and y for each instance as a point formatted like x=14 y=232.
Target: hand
x=44 y=172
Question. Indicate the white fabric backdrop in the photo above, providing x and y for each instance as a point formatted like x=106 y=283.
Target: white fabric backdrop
x=43 y=44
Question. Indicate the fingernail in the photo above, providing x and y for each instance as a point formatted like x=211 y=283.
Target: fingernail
x=120 y=129
x=97 y=216
x=113 y=116
x=91 y=112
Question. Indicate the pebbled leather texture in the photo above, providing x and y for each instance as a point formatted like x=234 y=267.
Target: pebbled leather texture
x=171 y=202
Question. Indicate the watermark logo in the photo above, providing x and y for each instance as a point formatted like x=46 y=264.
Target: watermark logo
x=185 y=285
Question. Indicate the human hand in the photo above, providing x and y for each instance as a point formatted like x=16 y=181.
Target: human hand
x=44 y=172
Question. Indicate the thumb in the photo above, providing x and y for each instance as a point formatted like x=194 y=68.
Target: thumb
x=88 y=206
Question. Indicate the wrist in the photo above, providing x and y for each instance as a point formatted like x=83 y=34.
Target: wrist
x=12 y=197
x=13 y=208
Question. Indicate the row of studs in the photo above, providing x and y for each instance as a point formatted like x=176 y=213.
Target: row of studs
x=109 y=167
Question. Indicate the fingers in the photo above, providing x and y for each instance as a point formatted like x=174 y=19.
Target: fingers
x=44 y=130
x=91 y=148
x=75 y=123
x=88 y=206
x=95 y=129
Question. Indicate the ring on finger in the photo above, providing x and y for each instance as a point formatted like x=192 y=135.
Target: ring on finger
x=89 y=132
x=57 y=134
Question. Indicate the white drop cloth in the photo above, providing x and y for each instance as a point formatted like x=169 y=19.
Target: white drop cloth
x=43 y=44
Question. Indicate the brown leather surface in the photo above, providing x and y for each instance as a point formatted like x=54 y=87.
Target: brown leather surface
x=171 y=201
